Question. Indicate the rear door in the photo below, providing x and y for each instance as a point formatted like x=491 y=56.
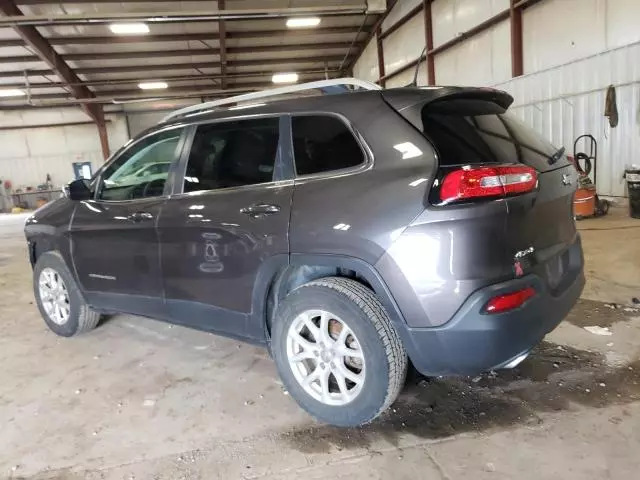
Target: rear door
x=226 y=224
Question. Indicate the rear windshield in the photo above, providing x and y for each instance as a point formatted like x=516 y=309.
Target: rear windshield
x=474 y=131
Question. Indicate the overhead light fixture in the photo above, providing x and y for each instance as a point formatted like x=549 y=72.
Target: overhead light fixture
x=153 y=85
x=303 y=22
x=285 y=78
x=12 y=92
x=129 y=28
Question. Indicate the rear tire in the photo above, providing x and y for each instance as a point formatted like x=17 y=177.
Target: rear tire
x=360 y=345
x=58 y=298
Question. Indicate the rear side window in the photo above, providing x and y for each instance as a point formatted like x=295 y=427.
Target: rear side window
x=468 y=132
x=232 y=154
x=323 y=143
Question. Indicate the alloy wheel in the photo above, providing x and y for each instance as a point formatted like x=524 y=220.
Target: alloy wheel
x=326 y=357
x=54 y=296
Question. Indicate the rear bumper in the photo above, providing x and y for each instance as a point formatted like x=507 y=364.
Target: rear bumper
x=473 y=342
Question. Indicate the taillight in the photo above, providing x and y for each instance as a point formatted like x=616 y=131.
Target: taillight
x=509 y=301
x=477 y=182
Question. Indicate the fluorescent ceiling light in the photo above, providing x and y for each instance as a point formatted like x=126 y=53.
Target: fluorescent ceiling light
x=129 y=28
x=285 y=78
x=13 y=92
x=153 y=85
x=303 y=22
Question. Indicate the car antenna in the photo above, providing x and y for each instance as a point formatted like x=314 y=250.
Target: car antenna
x=415 y=75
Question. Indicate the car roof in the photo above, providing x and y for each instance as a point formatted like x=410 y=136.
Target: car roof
x=348 y=104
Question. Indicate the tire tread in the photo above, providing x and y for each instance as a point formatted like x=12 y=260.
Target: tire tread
x=87 y=318
x=369 y=303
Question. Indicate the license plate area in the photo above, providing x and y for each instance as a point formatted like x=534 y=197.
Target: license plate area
x=556 y=269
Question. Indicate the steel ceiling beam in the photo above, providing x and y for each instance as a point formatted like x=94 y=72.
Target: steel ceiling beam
x=178 y=66
x=124 y=96
x=205 y=65
x=83 y=57
x=16 y=20
x=190 y=37
x=526 y=3
x=47 y=54
x=170 y=78
x=188 y=89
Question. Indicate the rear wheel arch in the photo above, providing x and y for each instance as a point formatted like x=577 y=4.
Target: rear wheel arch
x=307 y=348
x=303 y=269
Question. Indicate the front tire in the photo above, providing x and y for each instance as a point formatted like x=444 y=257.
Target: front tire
x=337 y=351
x=58 y=298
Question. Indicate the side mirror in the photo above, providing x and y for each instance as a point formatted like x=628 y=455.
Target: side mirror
x=78 y=190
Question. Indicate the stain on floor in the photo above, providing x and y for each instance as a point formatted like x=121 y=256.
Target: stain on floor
x=4 y=259
x=553 y=378
x=591 y=313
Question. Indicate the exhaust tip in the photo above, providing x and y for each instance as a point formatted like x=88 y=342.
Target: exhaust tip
x=516 y=361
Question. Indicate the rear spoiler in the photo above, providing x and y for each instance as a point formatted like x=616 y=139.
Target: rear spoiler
x=409 y=101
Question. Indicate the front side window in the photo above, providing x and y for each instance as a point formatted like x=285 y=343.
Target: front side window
x=323 y=143
x=142 y=170
x=232 y=154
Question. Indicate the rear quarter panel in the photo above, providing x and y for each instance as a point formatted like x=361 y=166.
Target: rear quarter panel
x=360 y=214
x=443 y=257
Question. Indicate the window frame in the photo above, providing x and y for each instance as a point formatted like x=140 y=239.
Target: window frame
x=98 y=178
x=368 y=157
x=283 y=165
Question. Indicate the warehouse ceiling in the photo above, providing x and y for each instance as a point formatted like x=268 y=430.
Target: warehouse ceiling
x=54 y=53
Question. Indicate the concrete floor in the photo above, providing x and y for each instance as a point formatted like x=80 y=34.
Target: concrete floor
x=138 y=399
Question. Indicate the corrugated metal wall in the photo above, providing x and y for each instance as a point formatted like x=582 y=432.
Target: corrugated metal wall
x=573 y=50
x=567 y=101
x=28 y=155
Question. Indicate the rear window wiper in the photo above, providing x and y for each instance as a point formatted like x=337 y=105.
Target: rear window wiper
x=557 y=156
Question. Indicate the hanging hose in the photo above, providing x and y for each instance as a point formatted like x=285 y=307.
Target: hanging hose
x=587 y=163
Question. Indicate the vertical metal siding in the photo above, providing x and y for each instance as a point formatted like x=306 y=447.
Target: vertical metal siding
x=482 y=60
x=453 y=17
x=404 y=45
x=399 y=10
x=567 y=101
x=559 y=31
x=366 y=67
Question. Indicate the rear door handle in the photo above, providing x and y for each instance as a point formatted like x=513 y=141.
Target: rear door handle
x=140 y=217
x=260 y=210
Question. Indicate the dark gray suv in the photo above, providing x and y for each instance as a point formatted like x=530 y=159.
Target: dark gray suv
x=348 y=233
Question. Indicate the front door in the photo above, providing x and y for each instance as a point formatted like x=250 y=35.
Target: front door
x=113 y=236
x=228 y=221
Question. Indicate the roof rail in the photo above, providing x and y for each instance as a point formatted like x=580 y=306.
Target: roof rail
x=337 y=85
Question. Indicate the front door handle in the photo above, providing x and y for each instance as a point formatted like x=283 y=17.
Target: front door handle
x=140 y=217
x=260 y=210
